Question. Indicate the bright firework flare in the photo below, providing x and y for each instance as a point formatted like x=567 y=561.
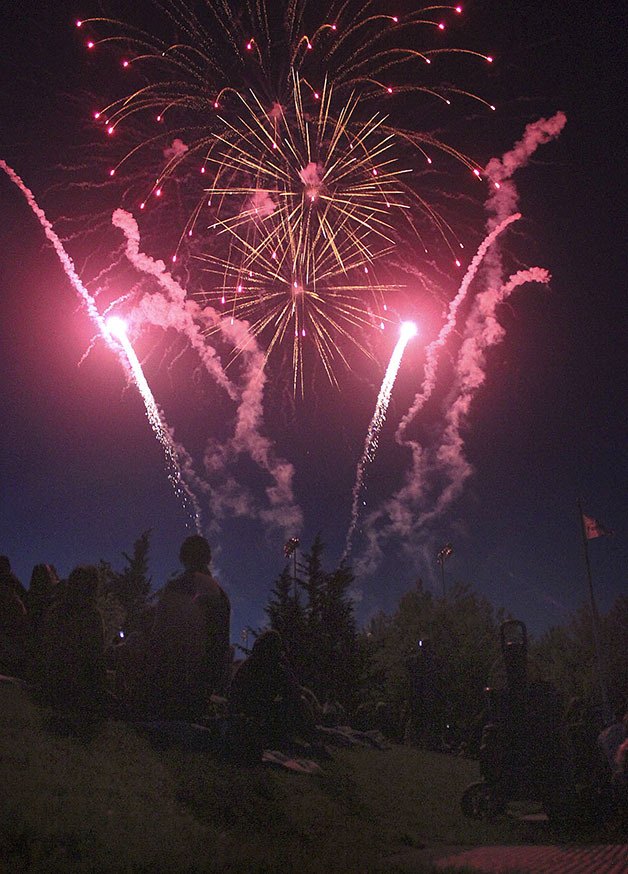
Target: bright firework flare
x=297 y=125
x=113 y=332
x=407 y=331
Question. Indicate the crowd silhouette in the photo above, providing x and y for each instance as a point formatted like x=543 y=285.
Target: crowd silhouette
x=176 y=667
x=177 y=664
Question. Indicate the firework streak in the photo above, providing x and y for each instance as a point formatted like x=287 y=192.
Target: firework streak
x=408 y=330
x=120 y=345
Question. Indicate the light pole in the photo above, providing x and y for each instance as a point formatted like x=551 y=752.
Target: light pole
x=290 y=549
x=443 y=553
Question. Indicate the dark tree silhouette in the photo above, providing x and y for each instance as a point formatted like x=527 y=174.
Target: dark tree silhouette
x=130 y=588
x=319 y=631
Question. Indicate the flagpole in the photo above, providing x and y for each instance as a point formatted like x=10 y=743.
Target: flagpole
x=595 y=621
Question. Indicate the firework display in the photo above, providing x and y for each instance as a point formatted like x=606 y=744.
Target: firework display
x=283 y=128
x=277 y=209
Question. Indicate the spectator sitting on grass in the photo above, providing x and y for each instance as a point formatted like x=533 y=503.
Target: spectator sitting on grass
x=41 y=593
x=8 y=578
x=72 y=640
x=264 y=690
x=14 y=629
x=190 y=637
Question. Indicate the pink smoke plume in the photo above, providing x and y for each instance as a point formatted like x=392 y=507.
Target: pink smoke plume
x=504 y=197
x=482 y=331
x=432 y=351
x=261 y=204
x=312 y=175
x=405 y=514
x=176 y=150
x=173 y=309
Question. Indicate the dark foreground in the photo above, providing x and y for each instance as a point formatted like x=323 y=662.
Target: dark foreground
x=107 y=800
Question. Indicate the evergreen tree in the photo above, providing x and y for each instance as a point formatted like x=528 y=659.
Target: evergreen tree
x=131 y=587
x=319 y=633
x=461 y=634
x=287 y=616
x=566 y=655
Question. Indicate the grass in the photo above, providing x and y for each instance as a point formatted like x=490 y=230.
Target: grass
x=110 y=802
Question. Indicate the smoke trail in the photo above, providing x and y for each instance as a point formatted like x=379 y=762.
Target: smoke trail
x=129 y=363
x=173 y=309
x=504 y=196
x=401 y=515
x=483 y=331
x=408 y=330
x=431 y=363
x=158 y=310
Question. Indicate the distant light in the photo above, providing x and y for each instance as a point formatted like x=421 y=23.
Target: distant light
x=90 y=44
x=408 y=330
x=79 y=24
x=441 y=26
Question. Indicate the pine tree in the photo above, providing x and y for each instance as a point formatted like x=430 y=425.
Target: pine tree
x=319 y=633
x=287 y=616
x=131 y=586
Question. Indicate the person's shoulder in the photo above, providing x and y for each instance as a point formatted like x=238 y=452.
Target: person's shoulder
x=205 y=583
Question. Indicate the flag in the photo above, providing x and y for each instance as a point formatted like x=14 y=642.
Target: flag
x=593 y=528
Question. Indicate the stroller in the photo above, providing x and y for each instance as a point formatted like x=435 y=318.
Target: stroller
x=521 y=752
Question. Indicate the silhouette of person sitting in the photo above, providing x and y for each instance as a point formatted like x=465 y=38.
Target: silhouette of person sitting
x=14 y=628
x=8 y=578
x=190 y=637
x=72 y=639
x=265 y=690
x=41 y=593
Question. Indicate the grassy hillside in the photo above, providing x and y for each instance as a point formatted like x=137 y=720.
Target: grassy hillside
x=111 y=802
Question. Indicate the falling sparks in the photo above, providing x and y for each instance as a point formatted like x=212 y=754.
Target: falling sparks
x=407 y=331
x=117 y=328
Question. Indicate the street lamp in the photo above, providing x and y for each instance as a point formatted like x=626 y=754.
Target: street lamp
x=443 y=553
x=290 y=549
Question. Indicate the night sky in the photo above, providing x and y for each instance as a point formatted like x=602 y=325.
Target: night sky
x=81 y=475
